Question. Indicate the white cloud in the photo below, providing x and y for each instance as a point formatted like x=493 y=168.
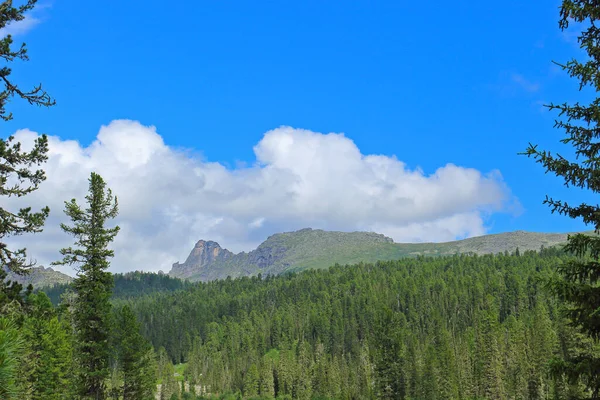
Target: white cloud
x=170 y=199
x=18 y=28
x=439 y=230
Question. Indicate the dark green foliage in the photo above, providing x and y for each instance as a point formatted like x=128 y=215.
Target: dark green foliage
x=37 y=96
x=17 y=178
x=11 y=348
x=92 y=308
x=129 y=285
x=133 y=357
x=165 y=374
x=461 y=327
x=579 y=287
x=138 y=283
x=46 y=365
x=16 y=165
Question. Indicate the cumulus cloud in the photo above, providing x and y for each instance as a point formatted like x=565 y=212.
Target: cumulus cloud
x=169 y=198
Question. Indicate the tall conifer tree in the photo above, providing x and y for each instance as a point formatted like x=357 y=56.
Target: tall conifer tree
x=135 y=357
x=579 y=287
x=93 y=285
x=18 y=176
x=11 y=345
x=46 y=366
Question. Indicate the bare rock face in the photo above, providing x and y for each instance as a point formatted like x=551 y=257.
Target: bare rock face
x=204 y=253
x=267 y=255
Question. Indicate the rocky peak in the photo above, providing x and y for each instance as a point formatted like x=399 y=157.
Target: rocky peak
x=204 y=253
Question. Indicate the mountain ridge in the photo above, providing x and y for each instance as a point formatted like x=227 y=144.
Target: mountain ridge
x=316 y=248
x=39 y=277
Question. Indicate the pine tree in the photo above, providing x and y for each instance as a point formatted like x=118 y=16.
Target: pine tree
x=193 y=372
x=11 y=345
x=579 y=287
x=447 y=378
x=267 y=384
x=335 y=379
x=46 y=365
x=431 y=374
x=489 y=358
x=542 y=344
x=17 y=176
x=251 y=381
x=135 y=357
x=303 y=381
x=515 y=359
x=390 y=355
x=92 y=309
x=169 y=386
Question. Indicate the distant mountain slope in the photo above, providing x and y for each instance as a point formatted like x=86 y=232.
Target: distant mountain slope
x=129 y=285
x=40 y=277
x=314 y=248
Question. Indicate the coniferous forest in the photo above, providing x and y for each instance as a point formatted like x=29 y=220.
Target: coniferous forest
x=507 y=326
x=462 y=327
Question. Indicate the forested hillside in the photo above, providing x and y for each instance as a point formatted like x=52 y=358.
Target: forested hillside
x=130 y=284
x=459 y=327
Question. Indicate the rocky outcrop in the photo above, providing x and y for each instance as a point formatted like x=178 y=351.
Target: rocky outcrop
x=281 y=252
x=204 y=253
x=315 y=248
x=267 y=255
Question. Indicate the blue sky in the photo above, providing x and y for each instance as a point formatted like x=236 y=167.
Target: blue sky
x=432 y=84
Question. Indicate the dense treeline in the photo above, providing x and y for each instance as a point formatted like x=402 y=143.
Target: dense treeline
x=578 y=285
x=43 y=353
x=85 y=348
x=461 y=327
x=130 y=284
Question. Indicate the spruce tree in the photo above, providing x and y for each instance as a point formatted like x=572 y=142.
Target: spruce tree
x=135 y=357
x=267 y=383
x=93 y=285
x=251 y=381
x=18 y=176
x=11 y=345
x=46 y=366
x=169 y=385
x=578 y=286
